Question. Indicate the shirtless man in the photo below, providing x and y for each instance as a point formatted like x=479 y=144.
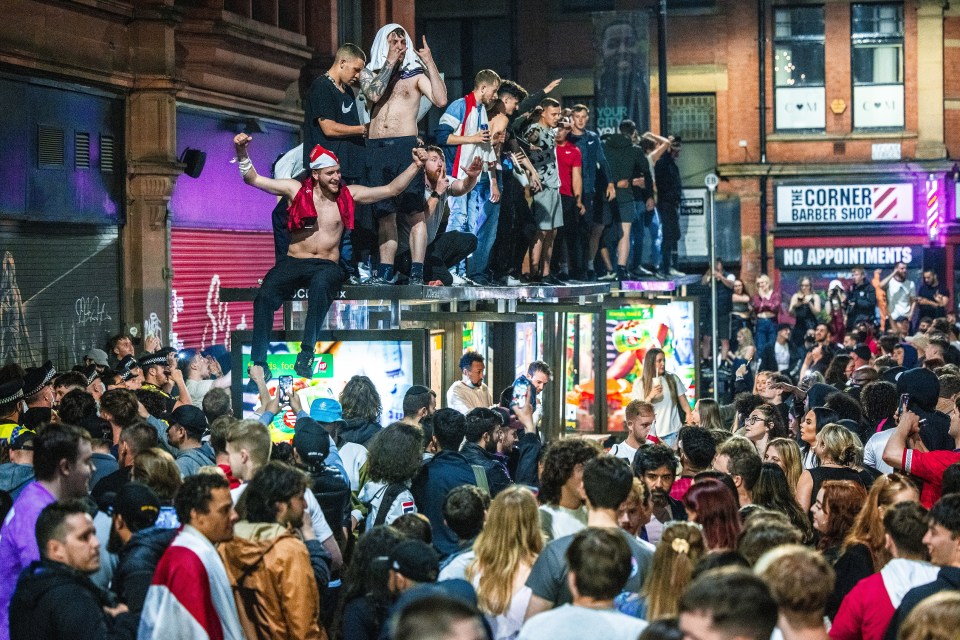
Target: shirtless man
x=319 y=211
x=393 y=82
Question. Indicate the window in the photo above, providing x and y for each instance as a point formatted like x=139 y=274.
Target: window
x=877 y=65
x=798 y=69
x=693 y=117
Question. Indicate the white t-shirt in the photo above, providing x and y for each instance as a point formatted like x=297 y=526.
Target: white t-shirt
x=464 y=398
x=563 y=521
x=198 y=389
x=666 y=415
x=899 y=297
x=873 y=451
x=623 y=450
x=320 y=527
x=572 y=622
x=782 y=353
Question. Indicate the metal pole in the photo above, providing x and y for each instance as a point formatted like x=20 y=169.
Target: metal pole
x=662 y=66
x=711 y=181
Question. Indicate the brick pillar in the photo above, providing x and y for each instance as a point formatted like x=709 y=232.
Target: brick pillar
x=930 y=145
x=152 y=168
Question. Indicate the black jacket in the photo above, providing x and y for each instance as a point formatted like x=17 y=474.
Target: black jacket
x=136 y=563
x=947 y=579
x=861 y=304
x=53 y=601
x=358 y=431
x=924 y=389
x=497 y=476
x=768 y=358
x=523 y=460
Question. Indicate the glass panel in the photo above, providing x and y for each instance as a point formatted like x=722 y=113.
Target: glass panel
x=798 y=64
x=878 y=64
x=799 y=22
x=872 y=20
x=693 y=117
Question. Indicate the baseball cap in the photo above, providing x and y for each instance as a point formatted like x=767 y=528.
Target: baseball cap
x=862 y=351
x=138 y=505
x=190 y=418
x=311 y=440
x=326 y=410
x=99 y=356
x=23 y=441
x=415 y=560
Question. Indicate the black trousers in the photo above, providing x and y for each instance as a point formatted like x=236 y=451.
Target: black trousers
x=446 y=250
x=321 y=278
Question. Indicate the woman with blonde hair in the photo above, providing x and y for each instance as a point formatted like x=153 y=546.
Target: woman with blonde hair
x=864 y=551
x=505 y=552
x=666 y=392
x=785 y=453
x=706 y=414
x=680 y=548
x=841 y=458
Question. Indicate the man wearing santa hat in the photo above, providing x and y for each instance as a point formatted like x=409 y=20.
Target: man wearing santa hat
x=320 y=209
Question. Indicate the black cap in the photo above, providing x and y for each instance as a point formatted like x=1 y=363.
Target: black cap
x=784 y=325
x=91 y=374
x=416 y=390
x=98 y=428
x=138 y=505
x=127 y=366
x=157 y=358
x=190 y=418
x=23 y=440
x=36 y=378
x=415 y=560
x=863 y=352
x=311 y=440
x=11 y=391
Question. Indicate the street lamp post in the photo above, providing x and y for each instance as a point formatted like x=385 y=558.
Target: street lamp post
x=712 y=181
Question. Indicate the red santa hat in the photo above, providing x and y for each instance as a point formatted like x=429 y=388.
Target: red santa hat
x=321 y=158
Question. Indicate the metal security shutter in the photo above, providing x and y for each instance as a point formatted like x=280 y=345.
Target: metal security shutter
x=59 y=291
x=203 y=262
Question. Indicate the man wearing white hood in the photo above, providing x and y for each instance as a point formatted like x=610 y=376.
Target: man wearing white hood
x=393 y=83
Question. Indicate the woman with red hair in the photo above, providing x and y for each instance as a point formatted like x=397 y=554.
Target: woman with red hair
x=713 y=506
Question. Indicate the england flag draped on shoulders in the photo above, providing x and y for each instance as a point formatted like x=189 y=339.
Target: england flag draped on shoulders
x=190 y=597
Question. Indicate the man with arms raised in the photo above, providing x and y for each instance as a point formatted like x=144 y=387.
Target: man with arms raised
x=393 y=82
x=320 y=209
x=446 y=249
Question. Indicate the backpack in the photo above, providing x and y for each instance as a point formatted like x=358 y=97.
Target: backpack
x=333 y=493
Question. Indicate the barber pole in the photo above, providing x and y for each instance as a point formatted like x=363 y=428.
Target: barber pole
x=933 y=207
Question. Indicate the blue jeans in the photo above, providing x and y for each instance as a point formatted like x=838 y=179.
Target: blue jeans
x=637 y=229
x=654 y=234
x=766 y=333
x=474 y=213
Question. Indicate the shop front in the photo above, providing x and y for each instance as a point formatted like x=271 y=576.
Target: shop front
x=825 y=228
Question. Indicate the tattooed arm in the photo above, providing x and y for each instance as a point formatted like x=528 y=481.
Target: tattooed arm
x=374 y=85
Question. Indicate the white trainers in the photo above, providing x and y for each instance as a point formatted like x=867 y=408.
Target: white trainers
x=676 y=273
x=462 y=281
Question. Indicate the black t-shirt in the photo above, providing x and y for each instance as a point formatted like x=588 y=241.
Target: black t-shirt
x=327 y=102
x=930 y=292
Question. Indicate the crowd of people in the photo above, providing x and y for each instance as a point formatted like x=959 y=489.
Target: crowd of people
x=528 y=192
x=138 y=506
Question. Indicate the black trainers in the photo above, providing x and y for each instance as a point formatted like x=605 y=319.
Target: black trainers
x=304 y=364
x=415 y=281
x=553 y=281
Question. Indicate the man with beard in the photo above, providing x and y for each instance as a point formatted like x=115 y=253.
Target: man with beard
x=319 y=212
x=267 y=562
x=932 y=297
x=901 y=293
x=656 y=465
x=484 y=433
x=447 y=249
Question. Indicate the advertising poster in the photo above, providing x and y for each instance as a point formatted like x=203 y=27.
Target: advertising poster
x=578 y=374
x=630 y=332
x=388 y=363
x=621 y=78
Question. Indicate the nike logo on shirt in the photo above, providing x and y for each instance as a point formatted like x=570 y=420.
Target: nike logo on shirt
x=591 y=141
x=346 y=107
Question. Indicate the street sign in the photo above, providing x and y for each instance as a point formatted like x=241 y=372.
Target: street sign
x=711 y=181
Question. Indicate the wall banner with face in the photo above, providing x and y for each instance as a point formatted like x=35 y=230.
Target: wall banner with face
x=621 y=78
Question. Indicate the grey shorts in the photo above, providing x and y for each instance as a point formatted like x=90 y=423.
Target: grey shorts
x=547 y=210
